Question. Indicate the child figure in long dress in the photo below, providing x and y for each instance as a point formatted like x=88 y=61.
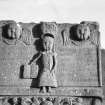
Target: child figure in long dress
x=47 y=78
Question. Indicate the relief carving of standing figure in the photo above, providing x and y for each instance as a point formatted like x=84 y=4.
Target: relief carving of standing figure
x=47 y=78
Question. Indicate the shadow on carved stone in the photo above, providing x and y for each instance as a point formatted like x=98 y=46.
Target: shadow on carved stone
x=96 y=101
x=36 y=31
x=73 y=33
x=21 y=71
x=38 y=45
x=4 y=31
x=10 y=101
x=39 y=63
x=36 y=61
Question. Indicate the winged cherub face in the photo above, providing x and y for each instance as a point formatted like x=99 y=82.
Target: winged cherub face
x=13 y=31
x=83 y=32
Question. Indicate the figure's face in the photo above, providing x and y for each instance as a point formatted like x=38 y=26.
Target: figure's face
x=14 y=31
x=83 y=32
x=48 y=43
x=11 y=32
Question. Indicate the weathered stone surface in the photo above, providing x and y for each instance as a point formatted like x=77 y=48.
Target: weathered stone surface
x=52 y=100
x=77 y=61
x=103 y=71
x=24 y=58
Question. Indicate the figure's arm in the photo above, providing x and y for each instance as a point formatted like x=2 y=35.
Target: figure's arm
x=54 y=62
x=35 y=58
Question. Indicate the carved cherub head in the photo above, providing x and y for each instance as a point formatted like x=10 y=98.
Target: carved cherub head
x=83 y=32
x=48 y=42
x=14 y=31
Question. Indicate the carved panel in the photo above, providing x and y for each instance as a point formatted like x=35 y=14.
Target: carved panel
x=50 y=63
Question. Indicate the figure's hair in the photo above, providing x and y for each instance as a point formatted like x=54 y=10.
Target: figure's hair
x=47 y=35
x=52 y=36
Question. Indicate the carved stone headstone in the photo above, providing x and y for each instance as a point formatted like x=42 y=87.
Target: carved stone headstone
x=50 y=64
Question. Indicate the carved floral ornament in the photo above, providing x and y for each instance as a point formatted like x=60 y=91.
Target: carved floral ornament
x=49 y=28
x=34 y=100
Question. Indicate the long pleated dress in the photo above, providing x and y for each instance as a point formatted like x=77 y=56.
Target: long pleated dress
x=47 y=78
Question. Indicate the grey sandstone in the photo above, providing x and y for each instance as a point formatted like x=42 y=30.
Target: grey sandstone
x=50 y=63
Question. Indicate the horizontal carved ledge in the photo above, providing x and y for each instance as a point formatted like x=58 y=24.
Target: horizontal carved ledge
x=65 y=91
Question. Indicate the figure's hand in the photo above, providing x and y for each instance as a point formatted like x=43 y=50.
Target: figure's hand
x=53 y=70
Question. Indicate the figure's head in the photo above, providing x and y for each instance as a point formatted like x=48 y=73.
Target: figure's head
x=48 y=42
x=83 y=32
x=13 y=31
